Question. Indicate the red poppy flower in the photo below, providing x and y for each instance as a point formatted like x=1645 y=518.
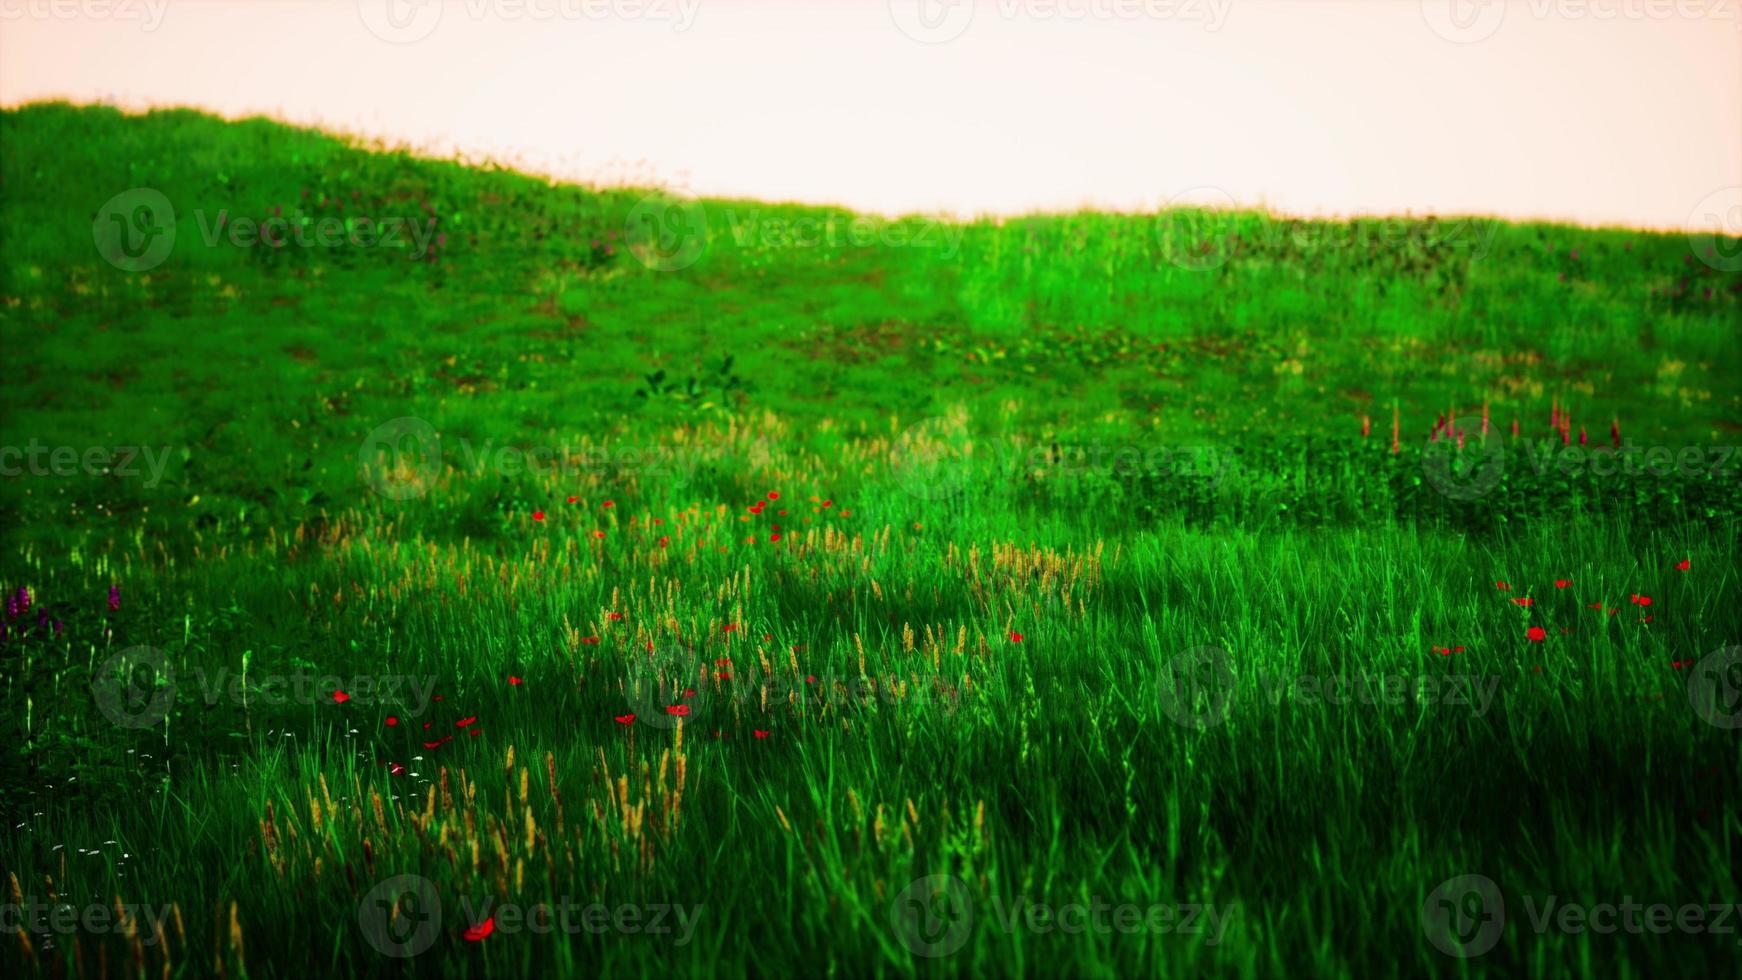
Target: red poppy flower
x=395 y=769
x=475 y=732
x=773 y=495
x=598 y=534
x=426 y=726
x=538 y=515
x=476 y=934
x=628 y=719
x=574 y=500
x=774 y=537
x=1561 y=583
x=680 y=710
x=614 y=616
x=1642 y=600
x=1502 y=586
x=466 y=722
x=392 y=722
x=1684 y=564
x=1524 y=602
x=1015 y=637
x=513 y=680
x=828 y=503
x=610 y=503
x=340 y=697
x=729 y=627
x=1536 y=634
x=723 y=661
x=759 y=733
x=438 y=743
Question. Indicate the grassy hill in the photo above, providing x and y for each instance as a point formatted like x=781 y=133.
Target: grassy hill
x=1019 y=552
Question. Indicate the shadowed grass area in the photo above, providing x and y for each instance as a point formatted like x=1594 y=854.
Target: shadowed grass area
x=836 y=590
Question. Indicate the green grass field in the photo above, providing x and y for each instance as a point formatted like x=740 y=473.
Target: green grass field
x=542 y=580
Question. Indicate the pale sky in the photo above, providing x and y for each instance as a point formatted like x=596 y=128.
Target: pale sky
x=1593 y=111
